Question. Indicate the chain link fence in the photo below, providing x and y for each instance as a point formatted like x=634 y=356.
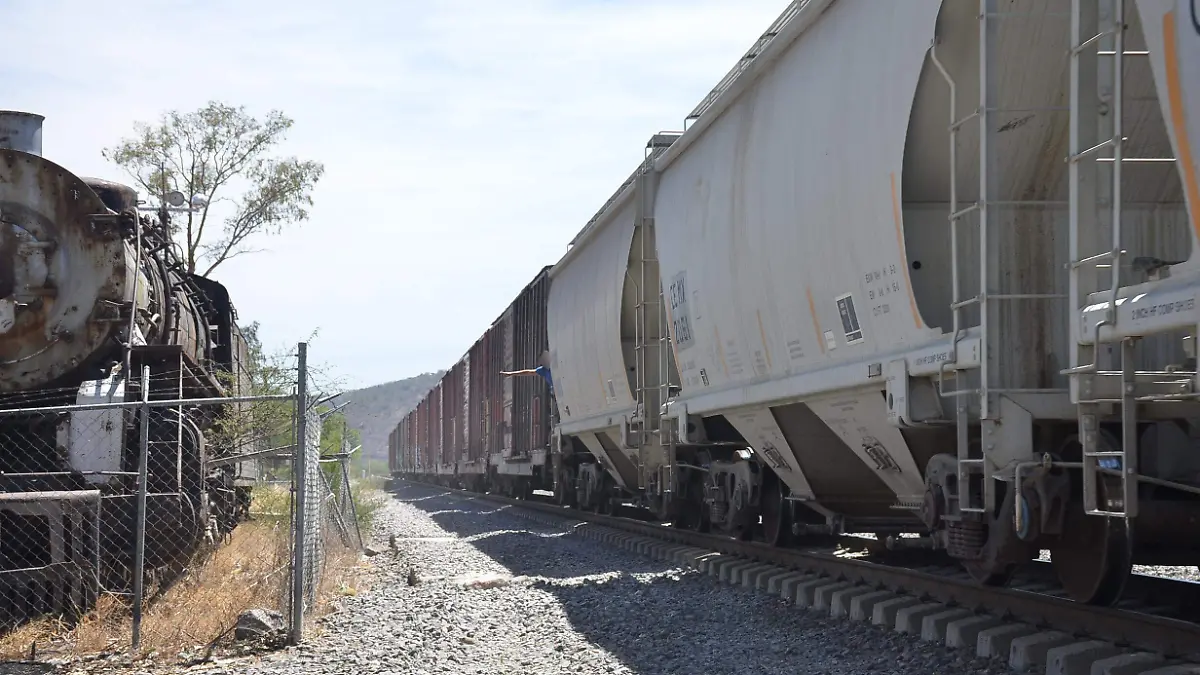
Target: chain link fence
x=148 y=516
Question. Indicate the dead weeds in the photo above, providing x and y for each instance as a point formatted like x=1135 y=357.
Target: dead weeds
x=200 y=609
x=250 y=571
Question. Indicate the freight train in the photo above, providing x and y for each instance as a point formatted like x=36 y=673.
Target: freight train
x=921 y=268
x=91 y=291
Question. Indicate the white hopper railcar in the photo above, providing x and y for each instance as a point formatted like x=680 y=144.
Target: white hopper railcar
x=886 y=250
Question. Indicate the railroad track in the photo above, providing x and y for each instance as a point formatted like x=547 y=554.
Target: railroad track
x=1029 y=622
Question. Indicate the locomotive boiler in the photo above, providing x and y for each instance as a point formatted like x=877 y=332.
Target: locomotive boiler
x=91 y=291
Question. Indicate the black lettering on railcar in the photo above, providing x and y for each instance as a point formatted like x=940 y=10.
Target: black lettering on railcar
x=681 y=320
x=850 y=324
x=773 y=456
x=1164 y=309
x=879 y=455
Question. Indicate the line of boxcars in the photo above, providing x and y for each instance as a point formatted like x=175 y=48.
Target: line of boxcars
x=921 y=267
x=477 y=429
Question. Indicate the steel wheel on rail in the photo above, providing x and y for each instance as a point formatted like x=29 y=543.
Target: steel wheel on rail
x=776 y=523
x=690 y=509
x=1094 y=557
x=597 y=501
x=608 y=497
x=564 y=488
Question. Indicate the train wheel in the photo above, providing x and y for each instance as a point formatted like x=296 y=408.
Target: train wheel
x=776 y=523
x=1094 y=557
x=560 y=491
x=607 y=505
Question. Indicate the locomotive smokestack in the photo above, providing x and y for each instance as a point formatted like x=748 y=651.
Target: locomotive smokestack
x=21 y=131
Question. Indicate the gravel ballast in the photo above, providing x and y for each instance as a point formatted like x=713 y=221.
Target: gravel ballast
x=498 y=593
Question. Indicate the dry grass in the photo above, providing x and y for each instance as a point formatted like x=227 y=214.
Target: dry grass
x=250 y=571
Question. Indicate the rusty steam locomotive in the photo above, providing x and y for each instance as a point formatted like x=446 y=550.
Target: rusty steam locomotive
x=91 y=292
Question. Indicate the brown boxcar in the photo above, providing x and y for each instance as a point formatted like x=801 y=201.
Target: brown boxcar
x=527 y=399
x=424 y=437
x=493 y=412
x=393 y=456
x=404 y=445
x=436 y=430
x=479 y=429
x=403 y=460
x=478 y=396
x=445 y=457
x=456 y=401
x=470 y=377
x=407 y=447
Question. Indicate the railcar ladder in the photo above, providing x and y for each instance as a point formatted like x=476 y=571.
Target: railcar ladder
x=649 y=300
x=1096 y=163
x=652 y=340
x=971 y=461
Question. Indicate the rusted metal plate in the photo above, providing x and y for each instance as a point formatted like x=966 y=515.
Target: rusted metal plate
x=64 y=272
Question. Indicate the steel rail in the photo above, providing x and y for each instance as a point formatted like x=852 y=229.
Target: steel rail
x=1172 y=638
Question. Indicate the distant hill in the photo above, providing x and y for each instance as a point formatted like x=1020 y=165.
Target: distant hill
x=375 y=411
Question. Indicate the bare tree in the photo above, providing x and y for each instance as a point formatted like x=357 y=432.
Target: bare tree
x=211 y=152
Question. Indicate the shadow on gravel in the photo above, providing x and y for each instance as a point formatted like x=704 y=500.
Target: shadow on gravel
x=498 y=532
x=657 y=619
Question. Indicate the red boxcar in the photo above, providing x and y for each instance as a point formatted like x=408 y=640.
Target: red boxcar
x=447 y=457
x=424 y=438
x=481 y=430
x=436 y=431
x=393 y=455
x=526 y=399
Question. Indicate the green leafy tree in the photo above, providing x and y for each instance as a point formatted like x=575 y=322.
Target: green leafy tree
x=213 y=152
x=260 y=425
x=336 y=435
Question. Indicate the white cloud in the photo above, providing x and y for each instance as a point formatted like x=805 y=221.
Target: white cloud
x=465 y=142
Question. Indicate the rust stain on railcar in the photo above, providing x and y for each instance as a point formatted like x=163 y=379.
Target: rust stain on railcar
x=812 y=311
x=763 y=334
x=1179 y=119
x=721 y=351
x=899 y=222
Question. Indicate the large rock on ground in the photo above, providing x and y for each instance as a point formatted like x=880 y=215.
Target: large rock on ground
x=258 y=623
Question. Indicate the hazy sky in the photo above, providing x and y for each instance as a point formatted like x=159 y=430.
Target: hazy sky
x=465 y=143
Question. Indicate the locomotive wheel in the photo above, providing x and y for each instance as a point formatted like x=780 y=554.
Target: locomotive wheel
x=1094 y=557
x=776 y=524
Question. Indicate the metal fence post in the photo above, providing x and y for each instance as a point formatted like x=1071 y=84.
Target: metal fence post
x=139 y=547
x=349 y=499
x=300 y=475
